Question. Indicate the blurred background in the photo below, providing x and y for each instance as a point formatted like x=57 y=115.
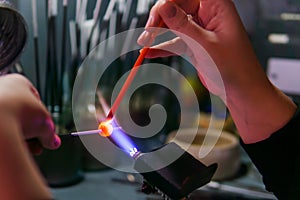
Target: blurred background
x=62 y=34
x=272 y=27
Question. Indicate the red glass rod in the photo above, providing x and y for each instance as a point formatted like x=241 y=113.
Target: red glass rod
x=128 y=81
x=130 y=77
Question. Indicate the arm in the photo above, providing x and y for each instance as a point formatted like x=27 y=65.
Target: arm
x=216 y=26
x=22 y=116
x=277 y=158
x=262 y=113
x=20 y=178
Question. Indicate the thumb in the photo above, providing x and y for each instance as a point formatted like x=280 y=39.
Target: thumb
x=179 y=21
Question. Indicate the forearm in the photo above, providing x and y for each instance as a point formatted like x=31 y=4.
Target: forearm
x=258 y=108
x=19 y=177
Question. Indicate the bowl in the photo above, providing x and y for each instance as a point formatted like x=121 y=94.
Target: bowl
x=13 y=35
x=225 y=151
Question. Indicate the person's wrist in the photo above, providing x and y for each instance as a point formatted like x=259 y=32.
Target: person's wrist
x=260 y=111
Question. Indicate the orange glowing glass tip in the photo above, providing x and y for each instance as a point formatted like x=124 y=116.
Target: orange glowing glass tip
x=106 y=128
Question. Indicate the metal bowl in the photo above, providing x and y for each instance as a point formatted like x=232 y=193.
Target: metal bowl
x=225 y=152
x=13 y=35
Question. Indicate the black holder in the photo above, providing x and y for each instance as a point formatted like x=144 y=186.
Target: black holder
x=177 y=180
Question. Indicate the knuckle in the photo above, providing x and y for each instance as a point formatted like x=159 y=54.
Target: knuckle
x=181 y=23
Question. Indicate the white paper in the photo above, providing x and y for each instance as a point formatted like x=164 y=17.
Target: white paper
x=285 y=74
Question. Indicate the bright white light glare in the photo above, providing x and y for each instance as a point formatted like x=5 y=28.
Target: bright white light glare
x=133 y=151
x=290 y=16
x=278 y=38
x=91 y=108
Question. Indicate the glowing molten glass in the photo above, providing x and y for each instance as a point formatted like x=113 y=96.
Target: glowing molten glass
x=106 y=128
x=112 y=131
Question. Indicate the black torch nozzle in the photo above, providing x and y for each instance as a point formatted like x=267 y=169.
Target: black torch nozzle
x=178 y=179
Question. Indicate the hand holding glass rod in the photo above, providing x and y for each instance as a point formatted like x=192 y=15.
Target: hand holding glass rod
x=132 y=74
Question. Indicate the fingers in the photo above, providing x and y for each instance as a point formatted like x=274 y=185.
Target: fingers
x=158 y=53
x=155 y=20
x=47 y=135
x=35 y=92
x=37 y=123
x=189 y=6
x=181 y=22
x=22 y=101
x=172 y=47
x=23 y=81
x=176 y=19
x=44 y=133
x=147 y=38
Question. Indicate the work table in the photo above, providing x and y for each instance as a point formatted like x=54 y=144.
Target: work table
x=110 y=184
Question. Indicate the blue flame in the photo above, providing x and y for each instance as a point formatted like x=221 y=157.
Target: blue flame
x=120 y=138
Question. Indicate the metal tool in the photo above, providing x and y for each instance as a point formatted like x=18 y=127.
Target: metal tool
x=13 y=35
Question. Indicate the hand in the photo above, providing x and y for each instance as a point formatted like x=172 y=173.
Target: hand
x=23 y=117
x=20 y=101
x=244 y=86
x=216 y=26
